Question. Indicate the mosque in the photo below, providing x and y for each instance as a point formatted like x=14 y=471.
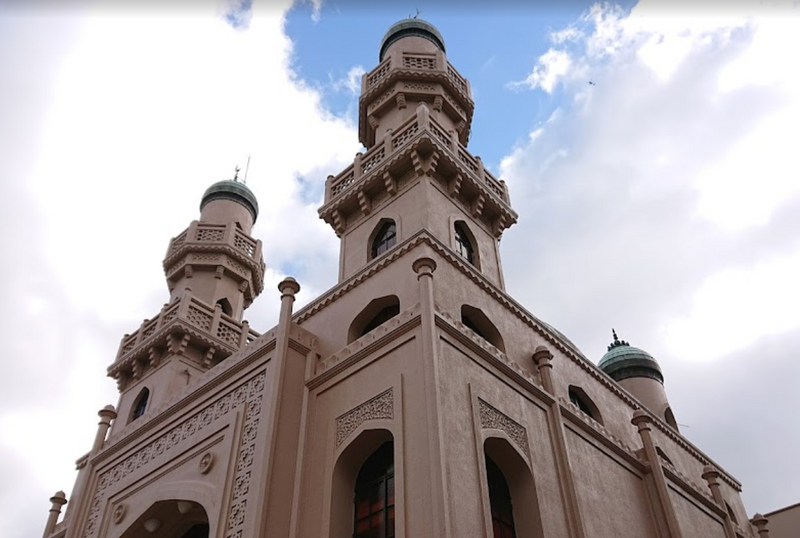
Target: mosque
x=415 y=398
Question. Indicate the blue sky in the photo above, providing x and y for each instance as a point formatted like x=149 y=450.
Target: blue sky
x=663 y=201
x=493 y=45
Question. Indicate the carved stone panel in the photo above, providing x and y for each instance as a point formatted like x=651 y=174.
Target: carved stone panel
x=381 y=406
x=248 y=395
x=491 y=418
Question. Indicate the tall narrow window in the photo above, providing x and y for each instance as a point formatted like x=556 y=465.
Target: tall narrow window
x=374 y=499
x=464 y=246
x=500 y=502
x=141 y=404
x=384 y=239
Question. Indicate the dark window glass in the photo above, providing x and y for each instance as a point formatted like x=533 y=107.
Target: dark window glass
x=197 y=531
x=472 y=327
x=381 y=317
x=386 y=238
x=463 y=245
x=582 y=405
x=141 y=404
x=500 y=502
x=374 y=500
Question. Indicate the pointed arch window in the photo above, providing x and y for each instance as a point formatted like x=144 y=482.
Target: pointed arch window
x=464 y=246
x=384 y=239
x=374 y=496
x=140 y=406
x=581 y=400
x=500 y=502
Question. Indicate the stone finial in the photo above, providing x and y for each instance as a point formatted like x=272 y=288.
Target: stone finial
x=760 y=523
x=59 y=499
x=710 y=474
x=542 y=356
x=289 y=286
x=424 y=266
x=641 y=420
x=108 y=412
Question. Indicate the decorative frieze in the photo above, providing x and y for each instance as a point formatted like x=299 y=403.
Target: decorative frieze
x=379 y=407
x=491 y=418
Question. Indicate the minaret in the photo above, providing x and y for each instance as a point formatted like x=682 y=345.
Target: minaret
x=640 y=374
x=415 y=113
x=214 y=269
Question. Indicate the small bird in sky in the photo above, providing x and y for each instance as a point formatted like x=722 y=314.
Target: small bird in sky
x=591 y=83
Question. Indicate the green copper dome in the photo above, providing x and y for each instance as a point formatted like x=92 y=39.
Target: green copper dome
x=622 y=361
x=230 y=189
x=409 y=27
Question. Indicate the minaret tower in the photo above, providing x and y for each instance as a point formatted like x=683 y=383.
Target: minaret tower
x=415 y=113
x=640 y=374
x=214 y=270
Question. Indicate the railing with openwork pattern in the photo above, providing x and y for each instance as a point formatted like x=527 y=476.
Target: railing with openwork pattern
x=196 y=313
x=218 y=233
x=396 y=141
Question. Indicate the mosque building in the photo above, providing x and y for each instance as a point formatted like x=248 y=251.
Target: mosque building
x=415 y=398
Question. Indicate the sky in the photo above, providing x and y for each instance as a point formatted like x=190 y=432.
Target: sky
x=662 y=200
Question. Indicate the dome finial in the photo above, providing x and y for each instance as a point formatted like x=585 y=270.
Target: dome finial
x=617 y=342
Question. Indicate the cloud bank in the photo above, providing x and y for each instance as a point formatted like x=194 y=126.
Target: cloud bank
x=664 y=200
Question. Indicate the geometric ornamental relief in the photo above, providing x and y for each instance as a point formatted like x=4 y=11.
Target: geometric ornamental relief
x=246 y=396
x=381 y=406
x=491 y=418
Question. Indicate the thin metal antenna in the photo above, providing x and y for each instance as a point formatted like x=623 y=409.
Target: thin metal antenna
x=246 y=168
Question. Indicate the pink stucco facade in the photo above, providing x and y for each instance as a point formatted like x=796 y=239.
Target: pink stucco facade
x=227 y=432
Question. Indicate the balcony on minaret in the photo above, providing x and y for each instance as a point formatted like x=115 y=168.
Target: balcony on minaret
x=420 y=146
x=185 y=327
x=204 y=253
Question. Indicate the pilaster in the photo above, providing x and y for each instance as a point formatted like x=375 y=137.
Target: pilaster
x=664 y=506
x=543 y=359
x=439 y=516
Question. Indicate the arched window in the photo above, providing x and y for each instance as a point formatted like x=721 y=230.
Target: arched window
x=500 y=502
x=384 y=239
x=669 y=417
x=141 y=404
x=374 y=496
x=377 y=312
x=477 y=322
x=582 y=401
x=464 y=243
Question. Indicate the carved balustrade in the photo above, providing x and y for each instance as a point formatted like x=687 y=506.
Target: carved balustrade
x=396 y=142
x=191 y=312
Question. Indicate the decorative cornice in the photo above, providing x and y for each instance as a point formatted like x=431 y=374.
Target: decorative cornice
x=255 y=266
x=409 y=151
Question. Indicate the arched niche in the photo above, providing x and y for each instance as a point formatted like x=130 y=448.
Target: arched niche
x=174 y=518
x=345 y=473
x=480 y=324
x=521 y=486
x=384 y=236
x=140 y=403
x=225 y=305
x=582 y=401
x=377 y=312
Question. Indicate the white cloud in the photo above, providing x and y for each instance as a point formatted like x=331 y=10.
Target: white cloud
x=551 y=67
x=115 y=125
x=665 y=199
x=350 y=82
